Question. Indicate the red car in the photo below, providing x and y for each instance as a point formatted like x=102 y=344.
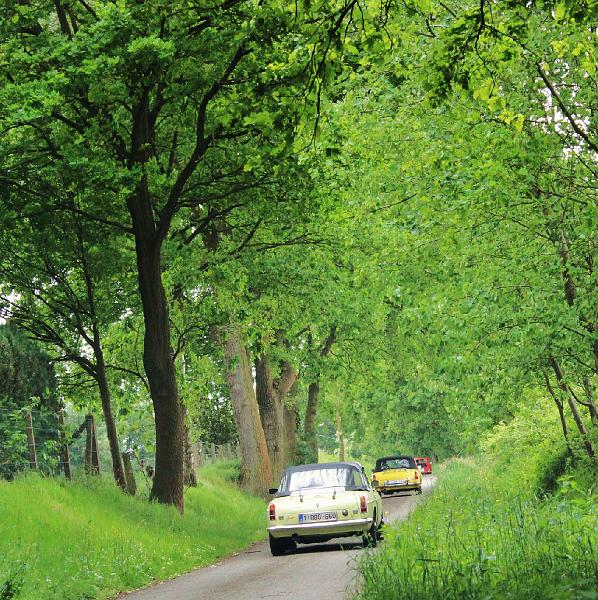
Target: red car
x=424 y=461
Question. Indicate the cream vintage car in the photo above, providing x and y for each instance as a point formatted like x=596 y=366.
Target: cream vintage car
x=318 y=502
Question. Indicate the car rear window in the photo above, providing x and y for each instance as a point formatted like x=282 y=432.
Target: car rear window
x=346 y=477
x=399 y=462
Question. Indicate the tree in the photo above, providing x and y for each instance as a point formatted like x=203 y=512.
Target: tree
x=108 y=99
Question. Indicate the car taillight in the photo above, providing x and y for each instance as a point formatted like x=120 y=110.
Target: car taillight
x=272 y=511
x=374 y=478
x=417 y=474
x=363 y=504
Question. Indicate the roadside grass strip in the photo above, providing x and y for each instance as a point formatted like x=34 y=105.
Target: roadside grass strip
x=84 y=539
x=478 y=536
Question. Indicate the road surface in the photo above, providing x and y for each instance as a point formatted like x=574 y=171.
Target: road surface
x=313 y=572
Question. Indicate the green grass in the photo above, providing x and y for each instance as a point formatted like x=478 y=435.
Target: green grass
x=84 y=539
x=480 y=537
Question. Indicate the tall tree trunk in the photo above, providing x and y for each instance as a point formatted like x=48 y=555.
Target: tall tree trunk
x=117 y=464
x=158 y=359
x=256 y=471
x=160 y=370
x=313 y=397
x=340 y=435
x=572 y=405
x=271 y=413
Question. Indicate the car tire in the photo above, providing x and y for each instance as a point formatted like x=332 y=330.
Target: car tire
x=370 y=539
x=278 y=546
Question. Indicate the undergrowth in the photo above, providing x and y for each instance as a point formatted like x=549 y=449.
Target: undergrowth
x=509 y=524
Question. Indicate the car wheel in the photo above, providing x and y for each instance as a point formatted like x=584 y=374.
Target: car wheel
x=278 y=546
x=418 y=491
x=370 y=539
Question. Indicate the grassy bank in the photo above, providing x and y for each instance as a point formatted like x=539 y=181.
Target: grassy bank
x=490 y=531
x=61 y=540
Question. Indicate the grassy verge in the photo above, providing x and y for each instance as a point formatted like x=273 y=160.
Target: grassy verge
x=479 y=538
x=489 y=530
x=62 y=540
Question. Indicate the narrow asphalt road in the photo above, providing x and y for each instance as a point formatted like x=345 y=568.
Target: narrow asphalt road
x=313 y=572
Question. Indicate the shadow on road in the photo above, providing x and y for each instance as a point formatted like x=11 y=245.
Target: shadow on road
x=315 y=548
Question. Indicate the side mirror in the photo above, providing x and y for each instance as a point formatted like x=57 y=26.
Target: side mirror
x=272 y=490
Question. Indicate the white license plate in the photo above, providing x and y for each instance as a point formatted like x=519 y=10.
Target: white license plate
x=318 y=517
x=396 y=482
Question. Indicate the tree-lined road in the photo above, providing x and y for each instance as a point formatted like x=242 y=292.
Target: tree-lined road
x=318 y=572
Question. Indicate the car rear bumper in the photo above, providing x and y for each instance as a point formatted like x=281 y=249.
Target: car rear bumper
x=327 y=528
x=398 y=488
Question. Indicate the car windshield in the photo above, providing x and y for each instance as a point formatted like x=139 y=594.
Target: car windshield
x=402 y=462
x=347 y=477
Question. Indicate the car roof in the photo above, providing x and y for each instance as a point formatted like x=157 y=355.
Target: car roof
x=394 y=456
x=328 y=465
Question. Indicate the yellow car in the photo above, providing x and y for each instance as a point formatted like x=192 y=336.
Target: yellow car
x=396 y=474
x=319 y=502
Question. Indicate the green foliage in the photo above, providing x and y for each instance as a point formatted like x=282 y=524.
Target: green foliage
x=86 y=539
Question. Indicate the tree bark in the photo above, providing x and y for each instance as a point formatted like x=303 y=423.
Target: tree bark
x=572 y=405
x=256 y=470
x=313 y=397
x=271 y=409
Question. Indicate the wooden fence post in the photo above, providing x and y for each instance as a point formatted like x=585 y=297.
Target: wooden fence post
x=92 y=459
x=213 y=452
x=31 y=442
x=64 y=448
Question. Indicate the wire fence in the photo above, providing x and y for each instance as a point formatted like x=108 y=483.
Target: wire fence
x=64 y=444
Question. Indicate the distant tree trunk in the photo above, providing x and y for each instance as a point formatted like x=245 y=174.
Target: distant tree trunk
x=271 y=394
x=291 y=427
x=117 y=465
x=572 y=405
x=256 y=471
x=559 y=406
x=341 y=436
x=131 y=483
x=591 y=402
x=313 y=397
x=190 y=474
x=271 y=413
